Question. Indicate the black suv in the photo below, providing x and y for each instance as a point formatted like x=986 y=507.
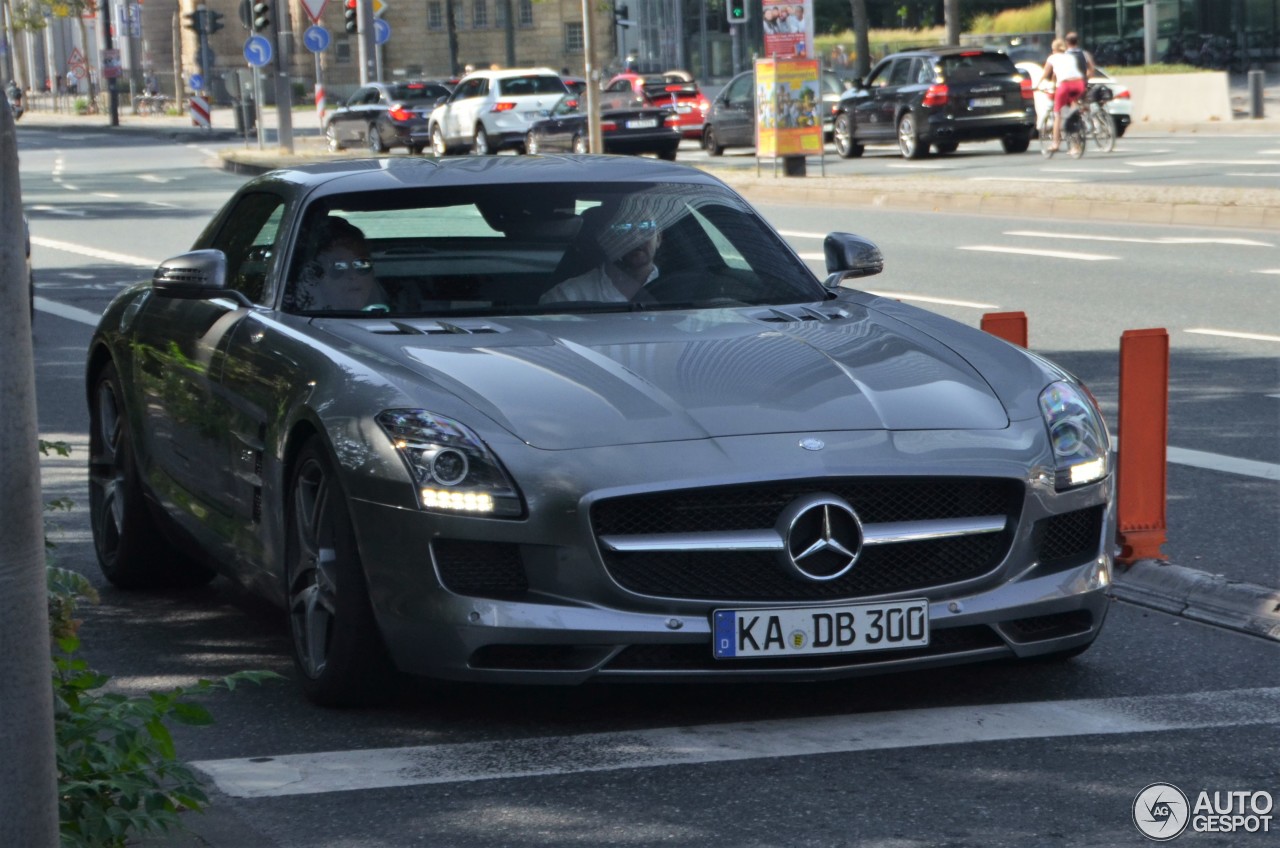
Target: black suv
x=941 y=97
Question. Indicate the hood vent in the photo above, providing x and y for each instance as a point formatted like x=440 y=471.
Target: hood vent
x=436 y=328
x=799 y=314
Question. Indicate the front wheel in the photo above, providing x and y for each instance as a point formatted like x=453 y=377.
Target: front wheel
x=1075 y=135
x=842 y=137
x=1104 y=132
x=909 y=139
x=580 y=144
x=710 y=143
x=1046 y=136
x=337 y=647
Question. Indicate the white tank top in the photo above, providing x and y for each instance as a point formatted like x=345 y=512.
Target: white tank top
x=1064 y=66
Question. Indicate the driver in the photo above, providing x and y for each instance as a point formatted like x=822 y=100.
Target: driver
x=340 y=276
x=628 y=241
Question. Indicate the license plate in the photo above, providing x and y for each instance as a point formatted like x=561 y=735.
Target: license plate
x=684 y=108
x=537 y=114
x=648 y=123
x=844 y=629
x=984 y=102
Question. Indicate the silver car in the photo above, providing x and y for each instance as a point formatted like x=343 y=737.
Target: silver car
x=584 y=417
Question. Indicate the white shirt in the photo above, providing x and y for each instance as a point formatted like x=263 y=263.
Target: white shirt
x=593 y=285
x=1065 y=66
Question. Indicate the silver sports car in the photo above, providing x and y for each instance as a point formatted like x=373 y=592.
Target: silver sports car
x=546 y=419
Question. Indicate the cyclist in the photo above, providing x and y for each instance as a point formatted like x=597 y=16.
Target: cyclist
x=1064 y=69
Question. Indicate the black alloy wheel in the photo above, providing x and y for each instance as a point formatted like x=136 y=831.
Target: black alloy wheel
x=374 y=140
x=909 y=138
x=710 y=143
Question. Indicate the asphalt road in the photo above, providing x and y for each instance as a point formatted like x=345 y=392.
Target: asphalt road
x=982 y=756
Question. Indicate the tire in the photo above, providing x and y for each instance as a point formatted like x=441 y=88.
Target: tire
x=131 y=547
x=668 y=154
x=1046 y=135
x=1120 y=128
x=946 y=147
x=531 y=144
x=710 y=143
x=415 y=149
x=1076 y=138
x=438 y=148
x=337 y=648
x=580 y=144
x=331 y=135
x=1104 y=132
x=909 y=140
x=373 y=140
x=842 y=137
x=480 y=142
x=1015 y=142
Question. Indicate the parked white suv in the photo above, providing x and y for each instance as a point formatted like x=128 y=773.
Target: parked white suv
x=493 y=110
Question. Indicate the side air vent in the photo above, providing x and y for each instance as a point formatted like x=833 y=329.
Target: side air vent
x=435 y=328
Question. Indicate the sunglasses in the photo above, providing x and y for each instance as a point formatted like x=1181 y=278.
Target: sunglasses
x=360 y=266
x=634 y=226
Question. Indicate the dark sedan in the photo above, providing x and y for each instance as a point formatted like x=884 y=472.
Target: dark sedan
x=941 y=97
x=731 y=120
x=642 y=129
x=546 y=419
x=380 y=116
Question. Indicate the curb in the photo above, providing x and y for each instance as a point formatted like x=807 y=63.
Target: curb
x=1200 y=596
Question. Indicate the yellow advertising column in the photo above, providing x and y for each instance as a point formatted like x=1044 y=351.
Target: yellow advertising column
x=788 y=112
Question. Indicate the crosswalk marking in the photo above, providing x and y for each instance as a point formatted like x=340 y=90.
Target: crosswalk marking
x=1179 y=240
x=1031 y=251
x=341 y=771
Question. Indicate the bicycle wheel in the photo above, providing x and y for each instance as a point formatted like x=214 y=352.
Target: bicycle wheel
x=1075 y=135
x=1103 y=131
x=1046 y=135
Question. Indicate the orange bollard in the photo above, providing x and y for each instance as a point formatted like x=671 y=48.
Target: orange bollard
x=1010 y=326
x=1143 y=427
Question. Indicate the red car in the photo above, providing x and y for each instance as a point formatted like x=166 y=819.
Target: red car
x=674 y=90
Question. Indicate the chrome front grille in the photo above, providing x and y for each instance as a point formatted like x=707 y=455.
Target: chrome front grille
x=723 y=543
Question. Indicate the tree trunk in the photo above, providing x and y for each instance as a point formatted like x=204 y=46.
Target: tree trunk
x=28 y=783
x=1063 y=19
x=951 y=14
x=861 y=39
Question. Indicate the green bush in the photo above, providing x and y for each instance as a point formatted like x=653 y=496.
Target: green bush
x=1038 y=18
x=119 y=775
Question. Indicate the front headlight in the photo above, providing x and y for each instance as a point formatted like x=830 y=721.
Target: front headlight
x=452 y=469
x=1081 y=447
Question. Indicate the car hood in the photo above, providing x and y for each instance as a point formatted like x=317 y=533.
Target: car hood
x=560 y=382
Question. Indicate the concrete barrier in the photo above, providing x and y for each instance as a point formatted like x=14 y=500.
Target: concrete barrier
x=1183 y=98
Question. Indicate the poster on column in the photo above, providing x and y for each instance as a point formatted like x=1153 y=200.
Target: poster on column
x=788 y=122
x=788 y=28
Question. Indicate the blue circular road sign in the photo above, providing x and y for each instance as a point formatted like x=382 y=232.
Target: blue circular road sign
x=316 y=38
x=381 y=31
x=257 y=50
x=197 y=82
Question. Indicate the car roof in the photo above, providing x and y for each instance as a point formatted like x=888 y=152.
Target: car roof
x=399 y=172
x=505 y=73
x=944 y=50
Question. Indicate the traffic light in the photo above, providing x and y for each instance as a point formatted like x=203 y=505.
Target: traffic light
x=212 y=21
x=737 y=11
x=351 y=15
x=261 y=15
x=195 y=20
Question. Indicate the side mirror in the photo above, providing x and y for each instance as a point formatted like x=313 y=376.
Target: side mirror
x=198 y=275
x=849 y=256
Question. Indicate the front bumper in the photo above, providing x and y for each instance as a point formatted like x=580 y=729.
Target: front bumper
x=567 y=619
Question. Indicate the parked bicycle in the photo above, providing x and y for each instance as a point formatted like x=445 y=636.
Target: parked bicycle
x=151 y=104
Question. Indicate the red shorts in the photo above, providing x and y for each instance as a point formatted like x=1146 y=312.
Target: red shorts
x=1068 y=92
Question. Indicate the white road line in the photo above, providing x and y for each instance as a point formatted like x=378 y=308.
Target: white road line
x=1177 y=163
x=58 y=210
x=968 y=304
x=71 y=313
x=93 y=252
x=1235 y=242
x=1029 y=251
x=919 y=166
x=1231 y=334
x=152 y=178
x=1268 y=271
x=813 y=257
x=106 y=194
x=1221 y=462
x=1022 y=180
x=342 y=771
x=1087 y=170
x=798 y=234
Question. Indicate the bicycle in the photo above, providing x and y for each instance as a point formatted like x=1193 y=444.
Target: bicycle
x=1099 y=125
x=1074 y=133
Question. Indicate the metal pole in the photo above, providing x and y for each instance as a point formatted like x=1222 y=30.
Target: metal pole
x=284 y=89
x=1150 y=29
x=368 y=53
x=1256 y=108
x=257 y=106
x=177 y=59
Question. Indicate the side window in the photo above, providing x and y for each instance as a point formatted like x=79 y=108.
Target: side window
x=357 y=98
x=880 y=76
x=248 y=238
x=901 y=73
x=924 y=72
x=373 y=96
x=740 y=90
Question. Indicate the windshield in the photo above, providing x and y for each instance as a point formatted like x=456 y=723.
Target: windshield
x=411 y=92
x=972 y=65
x=520 y=86
x=570 y=247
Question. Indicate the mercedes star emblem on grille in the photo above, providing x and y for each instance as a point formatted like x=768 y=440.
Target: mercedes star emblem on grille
x=823 y=537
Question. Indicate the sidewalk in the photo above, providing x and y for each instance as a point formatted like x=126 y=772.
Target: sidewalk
x=1195 y=594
